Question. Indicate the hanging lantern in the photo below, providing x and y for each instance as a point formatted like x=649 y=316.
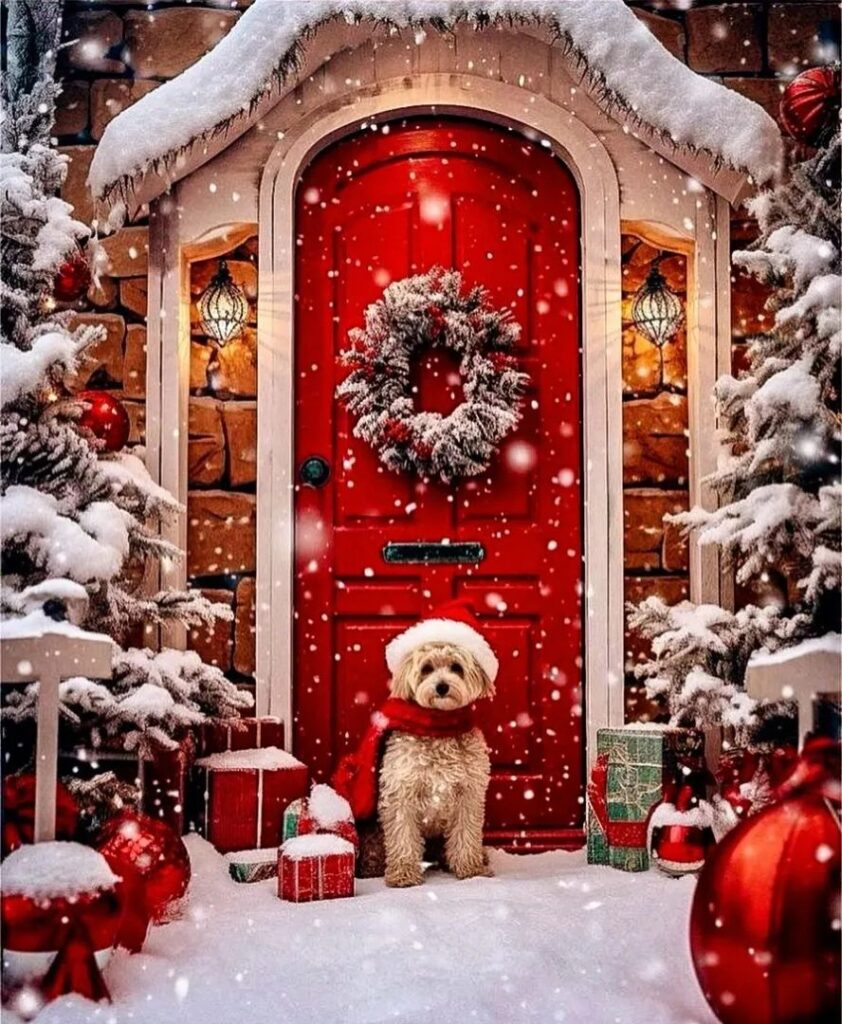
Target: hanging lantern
x=656 y=309
x=223 y=308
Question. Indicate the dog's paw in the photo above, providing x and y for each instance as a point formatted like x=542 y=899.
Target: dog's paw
x=473 y=869
x=404 y=878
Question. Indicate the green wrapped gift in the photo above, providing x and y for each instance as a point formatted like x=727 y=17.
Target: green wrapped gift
x=636 y=767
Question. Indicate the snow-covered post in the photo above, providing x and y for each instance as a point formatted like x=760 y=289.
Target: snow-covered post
x=48 y=657
x=797 y=673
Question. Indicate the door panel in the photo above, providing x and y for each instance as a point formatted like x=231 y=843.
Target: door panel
x=372 y=209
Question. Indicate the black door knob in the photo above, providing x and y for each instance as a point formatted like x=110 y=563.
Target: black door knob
x=314 y=471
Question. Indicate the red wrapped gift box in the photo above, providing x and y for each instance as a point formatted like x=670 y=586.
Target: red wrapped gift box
x=242 y=796
x=315 y=867
x=240 y=734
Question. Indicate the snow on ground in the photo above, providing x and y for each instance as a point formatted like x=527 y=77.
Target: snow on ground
x=548 y=939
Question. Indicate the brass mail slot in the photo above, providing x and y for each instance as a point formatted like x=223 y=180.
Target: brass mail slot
x=426 y=552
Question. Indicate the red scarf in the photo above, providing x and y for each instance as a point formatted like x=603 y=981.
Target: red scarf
x=357 y=775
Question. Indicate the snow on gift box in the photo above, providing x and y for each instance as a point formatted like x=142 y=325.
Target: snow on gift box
x=316 y=867
x=60 y=915
x=323 y=811
x=242 y=795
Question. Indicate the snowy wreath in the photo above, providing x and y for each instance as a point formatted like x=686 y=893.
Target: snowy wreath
x=434 y=310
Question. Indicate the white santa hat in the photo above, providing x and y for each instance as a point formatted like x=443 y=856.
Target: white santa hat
x=451 y=623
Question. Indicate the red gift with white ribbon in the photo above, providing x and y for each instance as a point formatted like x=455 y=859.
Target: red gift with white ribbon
x=319 y=866
x=243 y=794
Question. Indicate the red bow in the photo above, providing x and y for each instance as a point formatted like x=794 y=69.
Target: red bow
x=19 y=812
x=74 y=967
x=618 y=833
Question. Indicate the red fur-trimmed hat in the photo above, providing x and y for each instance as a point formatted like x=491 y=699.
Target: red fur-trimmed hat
x=452 y=623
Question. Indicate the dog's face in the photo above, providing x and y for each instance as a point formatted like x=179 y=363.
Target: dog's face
x=443 y=676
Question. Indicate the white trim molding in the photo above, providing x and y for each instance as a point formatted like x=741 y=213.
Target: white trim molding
x=586 y=156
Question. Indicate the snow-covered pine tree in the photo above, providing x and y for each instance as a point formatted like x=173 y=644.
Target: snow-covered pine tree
x=779 y=487
x=77 y=524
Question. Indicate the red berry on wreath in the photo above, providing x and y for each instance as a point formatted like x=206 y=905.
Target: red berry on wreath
x=810 y=104
x=106 y=418
x=73 y=278
x=764 y=924
x=500 y=361
x=152 y=861
x=437 y=325
x=397 y=432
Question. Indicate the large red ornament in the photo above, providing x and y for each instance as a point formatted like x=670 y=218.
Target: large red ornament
x=19 y=812
x=106 y=418
x=810 y=104
x=764 y=924
x=154 y=865
x=73 y=278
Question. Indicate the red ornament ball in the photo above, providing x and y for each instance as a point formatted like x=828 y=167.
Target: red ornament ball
x=154 y=866
x=106 y=418
x=810 y=104
x=764 y=924
x=73 y=278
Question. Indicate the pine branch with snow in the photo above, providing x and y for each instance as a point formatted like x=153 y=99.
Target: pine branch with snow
x=699 y=658
x=78 y=526
x=778 y=486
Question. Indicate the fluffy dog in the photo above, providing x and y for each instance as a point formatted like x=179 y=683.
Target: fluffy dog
x=435 y=786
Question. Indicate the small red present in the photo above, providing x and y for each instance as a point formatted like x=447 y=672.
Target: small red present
x=240 y=734
x=243 y=794
x=316 y=867
x=323 y=811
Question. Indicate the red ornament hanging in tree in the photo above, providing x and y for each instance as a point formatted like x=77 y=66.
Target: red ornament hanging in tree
x=152 y=861
x=106 y=418
x=762 y=929
x=73 y=278
x=810 y=104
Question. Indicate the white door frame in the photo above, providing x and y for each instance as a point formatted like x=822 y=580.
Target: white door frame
x=589 y=162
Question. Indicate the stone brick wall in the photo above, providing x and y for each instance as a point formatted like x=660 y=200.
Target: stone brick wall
x=222 y=470
x=655 y=453
x=119 y=50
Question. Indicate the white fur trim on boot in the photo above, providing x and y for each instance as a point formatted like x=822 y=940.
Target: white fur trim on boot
x=444 y=631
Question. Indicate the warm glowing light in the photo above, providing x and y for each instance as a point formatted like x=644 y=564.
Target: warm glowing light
x=656 y=309
x=223 y=308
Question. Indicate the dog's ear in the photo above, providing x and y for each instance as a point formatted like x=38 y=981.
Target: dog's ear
x=401 y=682
x=488 y=689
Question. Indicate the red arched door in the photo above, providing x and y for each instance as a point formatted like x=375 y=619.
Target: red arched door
x=371 y=209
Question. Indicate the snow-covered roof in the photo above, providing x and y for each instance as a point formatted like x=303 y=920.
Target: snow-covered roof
x=625 y=68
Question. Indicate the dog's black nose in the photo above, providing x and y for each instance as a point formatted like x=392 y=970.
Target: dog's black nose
x=442 y=689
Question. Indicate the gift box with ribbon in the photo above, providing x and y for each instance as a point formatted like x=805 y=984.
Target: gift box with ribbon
x=316 y=867
x=240 y=734
x=637 y=767
x=239 y=796
x=253 y=865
